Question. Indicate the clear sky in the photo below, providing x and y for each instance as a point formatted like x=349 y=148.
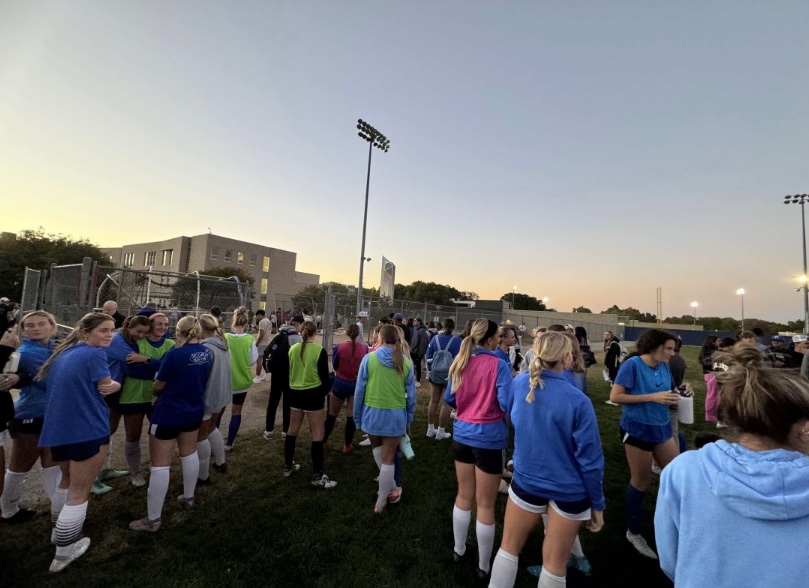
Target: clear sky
x=587 y=152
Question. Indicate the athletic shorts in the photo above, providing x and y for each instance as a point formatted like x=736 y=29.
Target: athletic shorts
x=489 y=461
x=261 y=349
x=136 y=408
x=167 y=433
x=239 y=398
x=576 y=510
x=628 y=439
x=310 y=400
x=79 y=451
x=25 y=426
x=113 y=400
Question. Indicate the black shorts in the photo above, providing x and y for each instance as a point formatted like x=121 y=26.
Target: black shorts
x=25 y=426
x=628 y=439
x=136 y=408
x=239 y=398
x=113 y=401
x=167 y=433
x=489 y=461
x=310 y=400
x=538 y=504
x=79 y=451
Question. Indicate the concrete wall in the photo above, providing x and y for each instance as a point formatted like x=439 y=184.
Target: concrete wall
x=304 y=279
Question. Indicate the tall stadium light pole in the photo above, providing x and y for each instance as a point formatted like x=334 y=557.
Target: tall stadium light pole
x=378 y=140
x=802 y=199
x=741 y=293
x=513 y=294
x=694 y=306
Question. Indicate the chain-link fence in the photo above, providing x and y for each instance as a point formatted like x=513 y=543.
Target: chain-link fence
x=32 y=290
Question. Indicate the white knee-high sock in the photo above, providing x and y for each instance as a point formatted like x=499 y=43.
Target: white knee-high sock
x=504 y=570
x=460 y=528
x=577 y=550
x=156 y=496
x=12 y=491
x=386 y=484
x=204 y=453
x=132 y=453
x=190 y=465
x=378 y=457
x=485 y=535
x=548 y=580
x=69 y=526
x=58 y=501
x=217 y=446
x=50 y=480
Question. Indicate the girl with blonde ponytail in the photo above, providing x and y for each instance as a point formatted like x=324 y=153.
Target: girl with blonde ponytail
x=243 y=354
x=180 y=389
x=558 y=461
x=478 y=388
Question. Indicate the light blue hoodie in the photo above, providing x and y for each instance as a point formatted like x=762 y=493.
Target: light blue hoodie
x=383 y=421
x=727 y=516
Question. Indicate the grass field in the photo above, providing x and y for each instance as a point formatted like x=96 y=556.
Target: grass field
x=252 y=527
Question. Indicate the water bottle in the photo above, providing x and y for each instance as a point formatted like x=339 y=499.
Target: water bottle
x=685 y=406
x=406 y=447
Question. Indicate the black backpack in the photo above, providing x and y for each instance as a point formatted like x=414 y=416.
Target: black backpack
x=276 y=355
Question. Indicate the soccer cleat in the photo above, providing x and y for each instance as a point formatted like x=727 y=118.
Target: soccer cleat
x=258 y=380
x=222 y=468
x=111 y=474
x=23 y=515
x=138 y=481
x=639 y=543
x=268 y=435
x=206 y=482
x=348 y=449
x=432 y=431
x=77 y=549
x=323 y=482
x=289 y=471
x=482 y=575
x=365 y=442
x=145 y=525
x=441 y=435
x=459 y=557
x=98 y=488
x=186 y=503
x=579 y=563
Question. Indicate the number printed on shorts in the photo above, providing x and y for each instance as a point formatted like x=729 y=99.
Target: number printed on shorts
x=153 y=429
x=28 y=421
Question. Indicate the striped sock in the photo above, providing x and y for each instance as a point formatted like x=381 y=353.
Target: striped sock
x=69 y=527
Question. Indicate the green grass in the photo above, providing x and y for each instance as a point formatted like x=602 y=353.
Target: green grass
x=255 y=528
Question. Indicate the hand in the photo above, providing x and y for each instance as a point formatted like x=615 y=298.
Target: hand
x=9 y=381
x=689 y=391
x=136 y=358
x=596 y=521
x=10 y=338
x=665 y=397
x=111 y=388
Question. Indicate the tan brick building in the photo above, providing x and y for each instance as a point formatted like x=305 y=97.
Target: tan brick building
x=272 y=269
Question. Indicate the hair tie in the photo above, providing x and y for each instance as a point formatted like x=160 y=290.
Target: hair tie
x=720 y=366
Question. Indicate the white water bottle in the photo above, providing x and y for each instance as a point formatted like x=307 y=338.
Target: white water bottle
x=405 y=447
x=685 y=407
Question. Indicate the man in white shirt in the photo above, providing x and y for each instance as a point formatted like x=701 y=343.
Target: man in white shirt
x=362 y=318
x=262 y=340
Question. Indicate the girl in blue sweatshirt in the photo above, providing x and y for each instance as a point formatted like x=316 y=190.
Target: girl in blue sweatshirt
x=558 y=462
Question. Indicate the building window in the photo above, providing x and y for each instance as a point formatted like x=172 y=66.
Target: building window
x=149 y=258
x=214 y=253
x=264 y=285
x=253 y=258
x=262 y=305
x=240 y=258
x=129 y=259
x=266 y=266
x=168 y=256
x=228 y=254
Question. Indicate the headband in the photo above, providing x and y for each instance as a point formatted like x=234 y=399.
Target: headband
x=157 y=314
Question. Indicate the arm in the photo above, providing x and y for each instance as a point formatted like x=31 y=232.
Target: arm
x=431 y=351
x=359 y=391
x=619 y=395
x=449 y=395
x=323 y=370
x=504 y=382
x=589 y=454
x=253 y=353
x=335 y=359
x=158 y=387
x=410 y=391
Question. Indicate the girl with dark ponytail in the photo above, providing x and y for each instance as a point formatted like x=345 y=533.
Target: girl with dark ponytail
x=345 y=359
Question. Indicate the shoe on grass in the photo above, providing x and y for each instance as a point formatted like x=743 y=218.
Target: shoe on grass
x=322 y=481
x=268 y=435
x=99 y=488
x=206 y=482
x=222 y=468
x=186 y=503
x=395 y=495
x=578 y=563
x=23 y=515
x=289 y=471
x=365 y=442
x=441 y=435
x=77 y=549
x=145 y=525
x=111 y=474
x=138 y=480
x=459 y=557
x=639 y=543
x=431 y=431
x=258 y=380
x=348 y=449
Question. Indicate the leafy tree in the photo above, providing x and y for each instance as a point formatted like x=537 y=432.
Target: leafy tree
x=523 y=301
x=632 y=313
x=583 y=309
x=430 y=292
x=38 y=249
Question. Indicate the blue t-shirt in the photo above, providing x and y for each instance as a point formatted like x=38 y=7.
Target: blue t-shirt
x=33 y=397
x=185 y=370
x=503 y=355
x=638 y=379
x=75 y=411
x=116 y=356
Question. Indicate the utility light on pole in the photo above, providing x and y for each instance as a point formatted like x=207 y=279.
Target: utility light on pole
x=513 y=294
x=741 y=292
x=694 y=306
x=802 y=199
x=378 y=140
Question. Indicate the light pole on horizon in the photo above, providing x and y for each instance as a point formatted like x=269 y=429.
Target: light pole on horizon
x=694 y=306
x=378 y=140
x=741 y=293
x=513 y=294
x=802 y=199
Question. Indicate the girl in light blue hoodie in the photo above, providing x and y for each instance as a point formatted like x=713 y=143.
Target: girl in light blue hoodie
x=737 y=514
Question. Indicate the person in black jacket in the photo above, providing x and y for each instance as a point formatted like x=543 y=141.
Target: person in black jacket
x=612 y=345
x=8 y=344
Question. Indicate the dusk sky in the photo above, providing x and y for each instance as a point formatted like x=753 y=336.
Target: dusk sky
x=587 y=152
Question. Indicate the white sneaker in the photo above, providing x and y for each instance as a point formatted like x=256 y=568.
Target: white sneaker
x=431 y=432
x=77 y=549
x=258 y=380
x=440 y=435
x=503 y=489
x=323 y=482
x=365 y=443
x=138 y=481
x=267 y=435
x=721 y=425
x=265 y=378
x=639 y=543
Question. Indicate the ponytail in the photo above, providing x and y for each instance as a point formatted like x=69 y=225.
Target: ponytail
x=87 y=323
x=480 y=331
x=392 y=335
x=549 y=349
x=308 y=330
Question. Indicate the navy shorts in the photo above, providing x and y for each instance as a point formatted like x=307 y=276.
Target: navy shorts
x=25 y=426
x=489 y=461
x=574 y=509
x=628 y=439
x=79 y=451
x=136 y=408
x=239 y=398
x=342 y=394
x=168 y=433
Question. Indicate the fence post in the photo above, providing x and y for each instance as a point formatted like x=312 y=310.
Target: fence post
x=196 y=302
x=43 y=280
x=148 y=284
